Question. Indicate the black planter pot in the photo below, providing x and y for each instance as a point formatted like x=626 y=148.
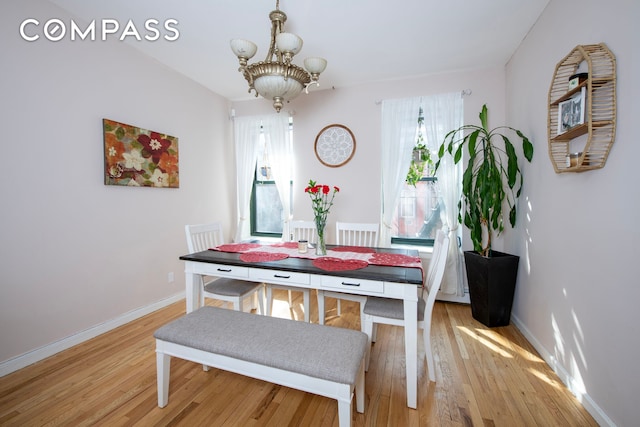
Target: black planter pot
x=492 y=284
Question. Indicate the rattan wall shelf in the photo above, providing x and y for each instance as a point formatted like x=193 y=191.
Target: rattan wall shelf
x=596 y=96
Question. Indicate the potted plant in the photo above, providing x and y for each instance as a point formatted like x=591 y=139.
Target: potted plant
x=491 y=184
x=421 y=156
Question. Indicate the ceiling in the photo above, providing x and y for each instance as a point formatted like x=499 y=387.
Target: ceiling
x=362 y=43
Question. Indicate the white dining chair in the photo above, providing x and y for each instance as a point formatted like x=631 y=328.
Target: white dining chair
x=357 y=234
x=299 y=230
x=303 y=230
x=391 y=311
x=350 y=234
x=201 y=237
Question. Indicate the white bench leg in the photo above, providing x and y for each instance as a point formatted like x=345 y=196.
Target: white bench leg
x=344 y=414
x=163 y=367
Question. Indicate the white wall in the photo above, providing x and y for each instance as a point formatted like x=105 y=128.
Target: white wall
x=358 y=108
x=75 y=253
x=578 y=293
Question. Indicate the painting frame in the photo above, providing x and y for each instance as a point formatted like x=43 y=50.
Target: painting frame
x=572 y=111
x=138 y=157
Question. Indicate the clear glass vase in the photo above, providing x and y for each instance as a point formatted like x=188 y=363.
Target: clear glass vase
x=321 y=247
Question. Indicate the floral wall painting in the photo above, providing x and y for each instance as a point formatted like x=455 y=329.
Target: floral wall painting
x=138 y=157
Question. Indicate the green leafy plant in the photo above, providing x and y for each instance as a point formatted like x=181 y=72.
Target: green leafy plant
x=421 y=156
x=492 y=179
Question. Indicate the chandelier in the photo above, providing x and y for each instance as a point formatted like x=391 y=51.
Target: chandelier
x=277 y=78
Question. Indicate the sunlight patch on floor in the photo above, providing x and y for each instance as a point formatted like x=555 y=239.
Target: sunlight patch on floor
x=544 y=377
x=507 y=343
x=486 y=342
x=281 y=309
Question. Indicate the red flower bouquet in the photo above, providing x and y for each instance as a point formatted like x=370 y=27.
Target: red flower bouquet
x=321 y=201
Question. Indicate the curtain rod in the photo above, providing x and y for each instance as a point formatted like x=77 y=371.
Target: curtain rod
x=232 y=113
x=463 y=92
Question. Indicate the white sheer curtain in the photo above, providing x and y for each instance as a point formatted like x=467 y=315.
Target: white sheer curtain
x=443 y=113
x=280 y=149
x=247 y=140
x=399 y=125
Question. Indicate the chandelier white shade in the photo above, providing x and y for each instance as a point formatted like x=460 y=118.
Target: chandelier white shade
x=288 y=44
x=277 y=78
x=244 y=49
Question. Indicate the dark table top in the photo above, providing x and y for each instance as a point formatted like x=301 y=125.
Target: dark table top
x=305 y=265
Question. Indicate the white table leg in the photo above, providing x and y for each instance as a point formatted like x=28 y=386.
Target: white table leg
x=193 y=284
x=411 y=348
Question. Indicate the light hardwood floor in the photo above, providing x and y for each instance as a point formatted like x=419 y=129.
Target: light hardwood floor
x=485 y=377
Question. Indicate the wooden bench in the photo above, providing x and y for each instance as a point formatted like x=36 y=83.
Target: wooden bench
x=319 y=359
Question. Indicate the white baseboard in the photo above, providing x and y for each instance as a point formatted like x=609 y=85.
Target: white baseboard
x=26 y=359
x=592 y=407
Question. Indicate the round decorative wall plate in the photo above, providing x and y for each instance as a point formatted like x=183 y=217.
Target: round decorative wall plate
x=335 y=145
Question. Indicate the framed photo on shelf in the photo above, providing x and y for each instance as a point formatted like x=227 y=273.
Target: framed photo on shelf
x=571 y=111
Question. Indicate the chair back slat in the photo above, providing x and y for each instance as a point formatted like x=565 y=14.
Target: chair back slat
x=201 y=237
x=303 y=230
x=356 y=234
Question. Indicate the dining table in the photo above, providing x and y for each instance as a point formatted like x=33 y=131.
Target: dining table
x=381 y=272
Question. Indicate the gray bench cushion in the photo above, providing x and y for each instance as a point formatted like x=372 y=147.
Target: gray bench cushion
x=319 y=351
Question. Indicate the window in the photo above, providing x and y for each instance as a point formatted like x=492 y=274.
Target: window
x=411 y=214
x=265 y=205
x=419 y=212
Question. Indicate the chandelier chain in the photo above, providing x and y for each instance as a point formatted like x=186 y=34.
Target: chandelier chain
x=276 y=28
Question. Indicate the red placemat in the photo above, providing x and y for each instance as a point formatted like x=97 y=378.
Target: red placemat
x=328 y=263
x=393 y=259
x=236 y=247
x=358 y=249
x=258 y=256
